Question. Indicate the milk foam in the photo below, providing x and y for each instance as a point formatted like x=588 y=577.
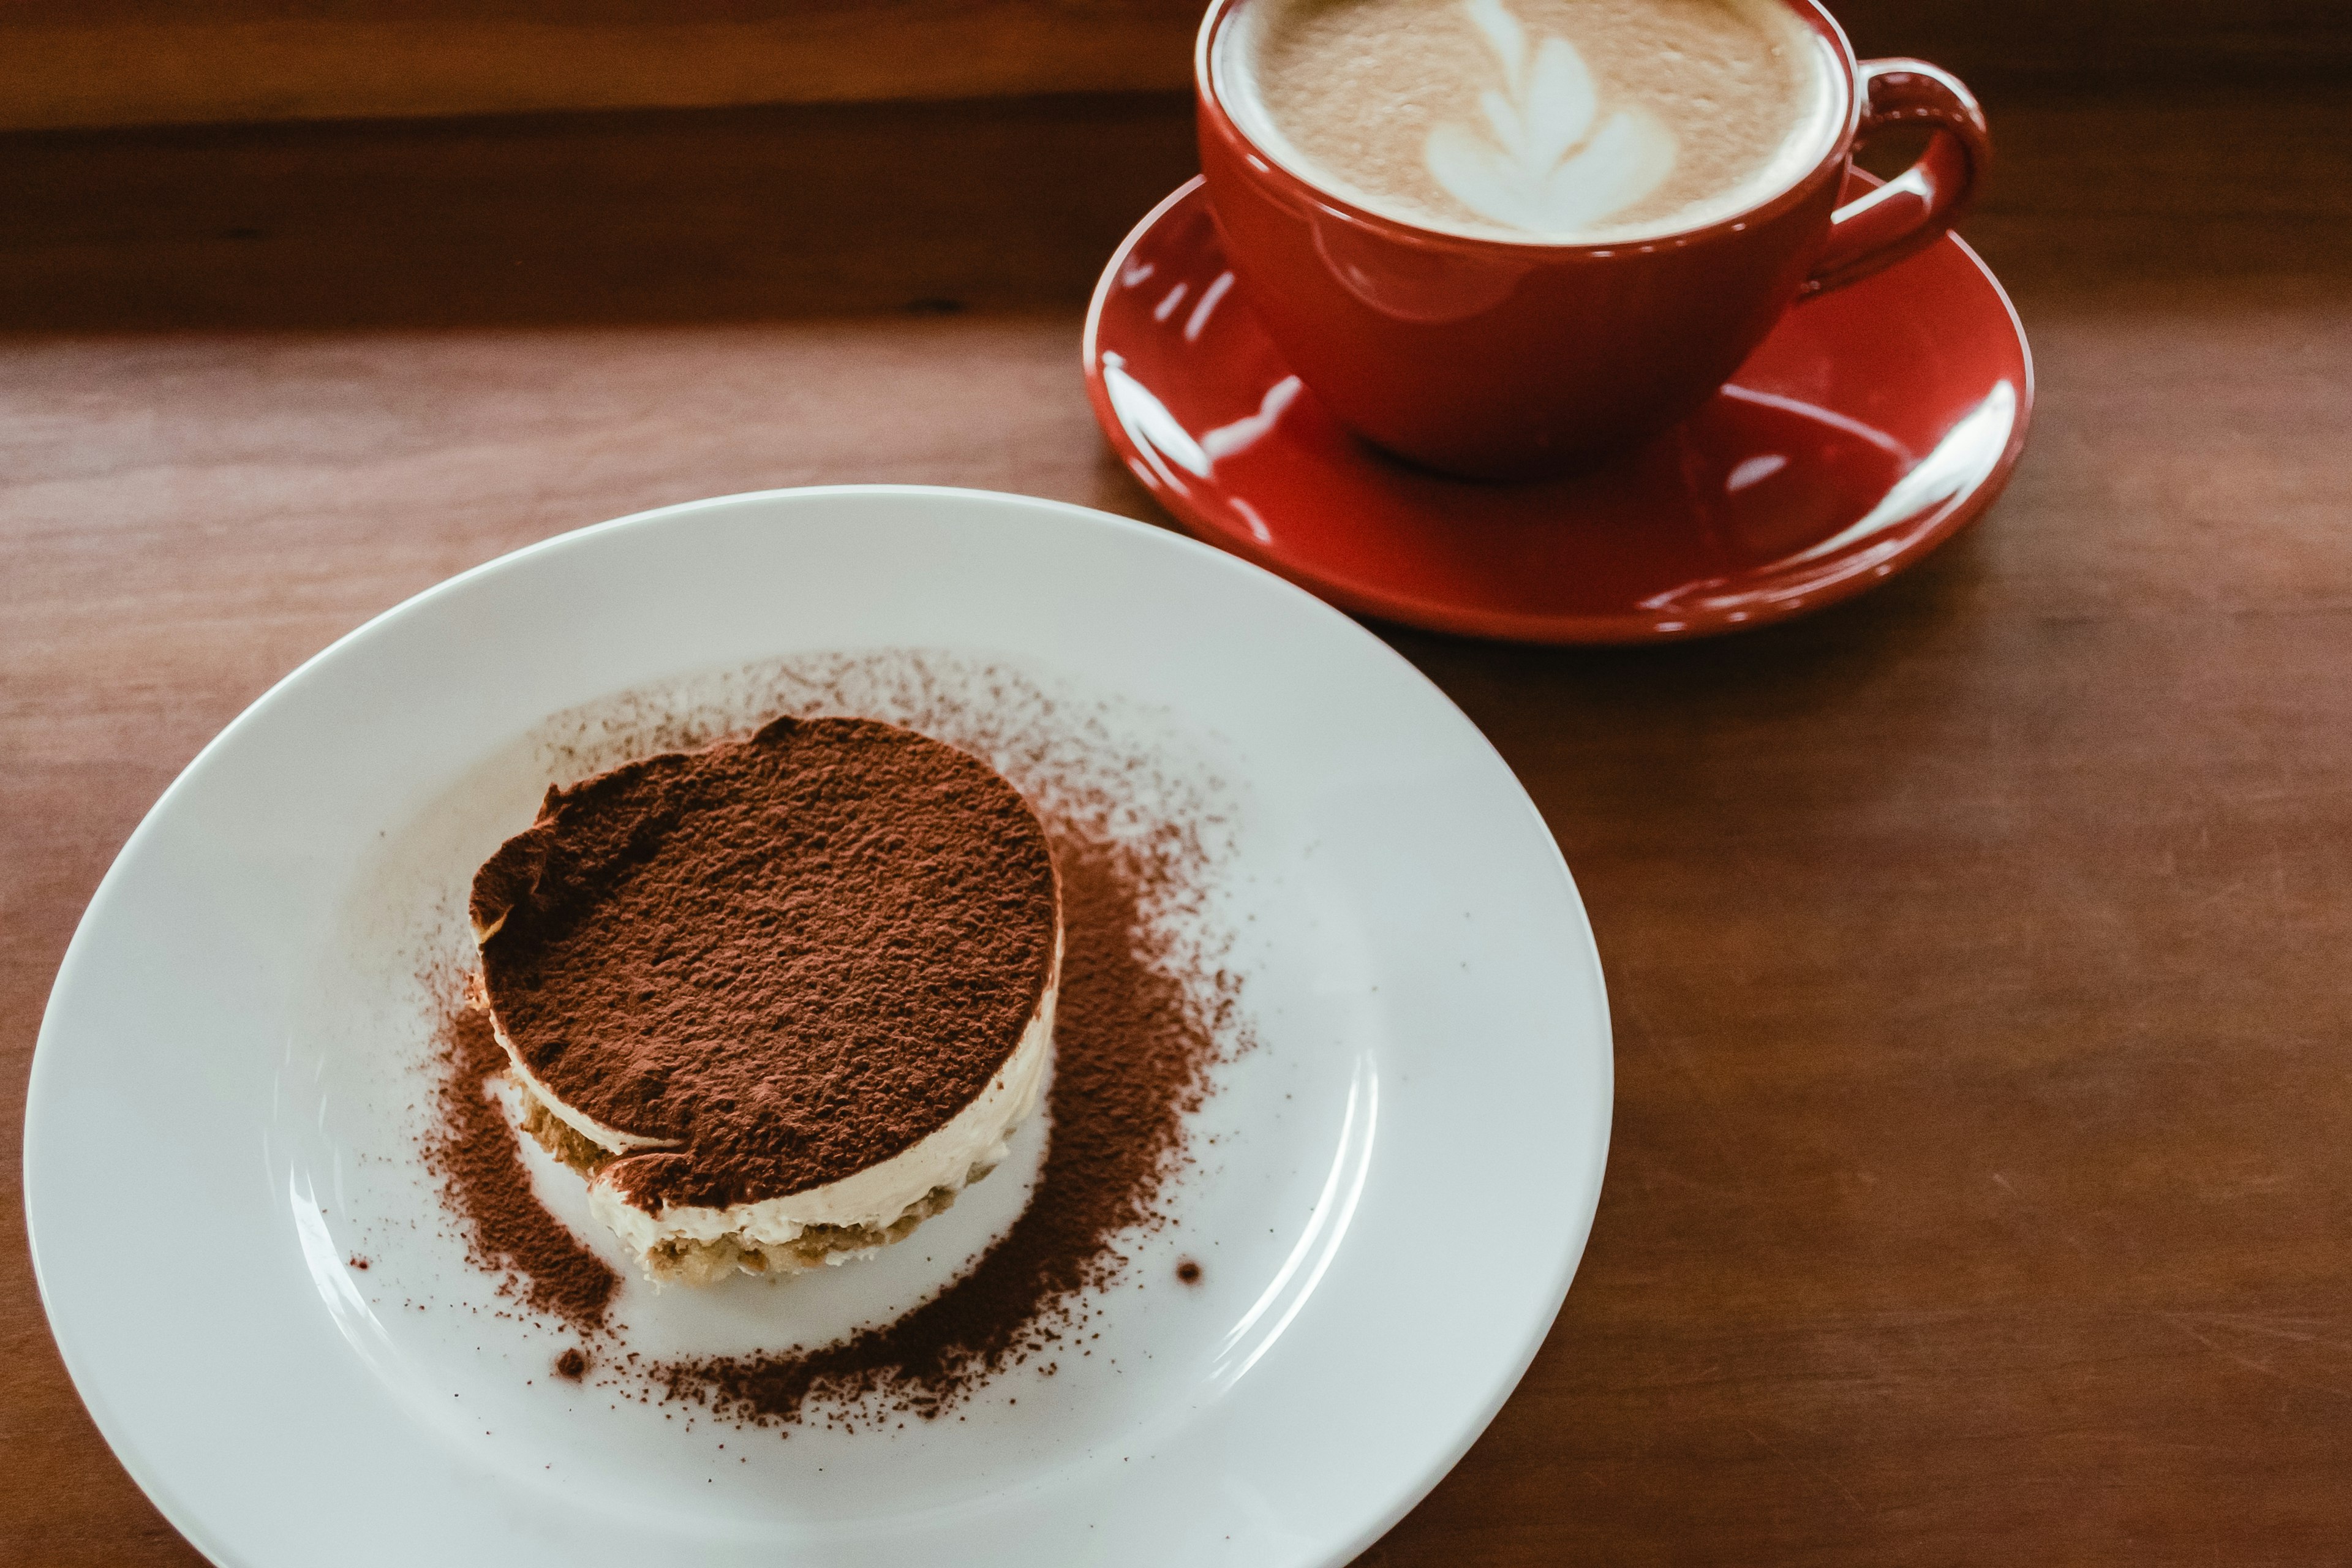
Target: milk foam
x=1525 y=140
x=1537 y=163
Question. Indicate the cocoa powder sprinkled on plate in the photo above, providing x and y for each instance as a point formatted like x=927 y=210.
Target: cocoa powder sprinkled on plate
x=470 y=1147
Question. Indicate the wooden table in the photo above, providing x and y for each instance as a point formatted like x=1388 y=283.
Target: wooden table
x=1982 y=1188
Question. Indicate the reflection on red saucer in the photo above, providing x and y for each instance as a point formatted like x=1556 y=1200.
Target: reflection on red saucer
x=1873 y=424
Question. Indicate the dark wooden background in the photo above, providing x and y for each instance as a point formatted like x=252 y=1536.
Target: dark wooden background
x=148 y=62
x=1982 y=1188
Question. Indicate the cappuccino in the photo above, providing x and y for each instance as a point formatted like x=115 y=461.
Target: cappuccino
x=1562 y=122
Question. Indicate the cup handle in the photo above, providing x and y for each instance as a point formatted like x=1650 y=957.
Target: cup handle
x=1913 y=210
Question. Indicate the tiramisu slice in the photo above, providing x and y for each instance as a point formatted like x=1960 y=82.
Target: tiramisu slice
x=779 y=1000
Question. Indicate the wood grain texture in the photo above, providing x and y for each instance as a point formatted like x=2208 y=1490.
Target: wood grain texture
x=655 y=217
x=158 y=64
x=67 y=63
x=1979 y=1189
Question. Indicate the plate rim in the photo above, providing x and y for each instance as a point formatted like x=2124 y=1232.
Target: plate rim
x=186 y=1515
x=1621 y=629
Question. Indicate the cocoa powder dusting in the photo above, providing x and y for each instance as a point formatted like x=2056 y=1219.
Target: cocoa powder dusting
x=1132 y=1046
x=795 y=955
x=470 y=1147
x=1144 y=1013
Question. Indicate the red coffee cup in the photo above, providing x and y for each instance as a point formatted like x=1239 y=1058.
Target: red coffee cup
x=1501 y=359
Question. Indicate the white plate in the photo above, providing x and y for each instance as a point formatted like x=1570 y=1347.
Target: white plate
x=224 y=1101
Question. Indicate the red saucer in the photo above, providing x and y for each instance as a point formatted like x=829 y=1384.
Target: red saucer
x=1873 y=424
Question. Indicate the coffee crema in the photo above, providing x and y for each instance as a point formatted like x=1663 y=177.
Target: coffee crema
x=1564 y=122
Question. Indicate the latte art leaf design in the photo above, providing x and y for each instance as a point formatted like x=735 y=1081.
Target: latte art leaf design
x=1538 y=164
